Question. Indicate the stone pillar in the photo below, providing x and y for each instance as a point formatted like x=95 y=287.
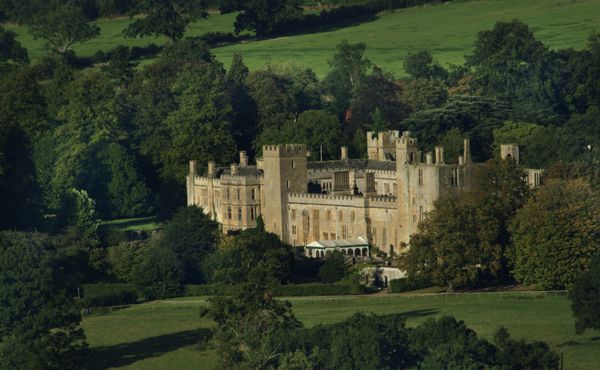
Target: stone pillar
x=243 y=159
x=211 y=169
x=439 y=155
x=467 y=151
x=193 y=168
x=429 y=158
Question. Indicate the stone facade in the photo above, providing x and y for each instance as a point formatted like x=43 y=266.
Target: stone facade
x=381 y=199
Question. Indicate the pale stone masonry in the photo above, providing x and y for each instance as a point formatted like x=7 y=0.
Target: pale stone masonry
x=381 y=199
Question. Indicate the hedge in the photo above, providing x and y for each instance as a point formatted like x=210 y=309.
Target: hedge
x=408 y=284
x=100 y=295
x=289 y=290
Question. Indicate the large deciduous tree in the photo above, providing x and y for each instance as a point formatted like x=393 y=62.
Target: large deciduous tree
x=585 y=298
x=556 y=233
x=167 y=18
x=264 y=17
x=39 y=322
x=464 y=241
x=62 y=28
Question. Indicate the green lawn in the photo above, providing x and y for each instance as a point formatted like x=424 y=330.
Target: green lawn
x=447 y=30
x=168 y=335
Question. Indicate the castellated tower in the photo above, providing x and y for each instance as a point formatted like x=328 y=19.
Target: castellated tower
x=285 y=172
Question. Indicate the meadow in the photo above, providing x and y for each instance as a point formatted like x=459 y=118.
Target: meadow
x=447 y=30
x=172 y=335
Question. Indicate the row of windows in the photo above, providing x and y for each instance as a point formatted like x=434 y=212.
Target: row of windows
x=253 y=213
x=238 y=194
x=328 y=215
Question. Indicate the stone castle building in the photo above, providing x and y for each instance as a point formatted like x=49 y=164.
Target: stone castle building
x=380 y=199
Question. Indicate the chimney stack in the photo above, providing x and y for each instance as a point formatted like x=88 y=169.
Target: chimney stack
x=211 y=169
x=344 y=155
x=439 y=155
x=193 y=168
x=467 y=151
x=243 y=159
x=429 y=158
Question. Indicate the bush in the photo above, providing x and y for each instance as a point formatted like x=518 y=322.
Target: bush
x=408 y=284
x=289 y=290
x=100 y=295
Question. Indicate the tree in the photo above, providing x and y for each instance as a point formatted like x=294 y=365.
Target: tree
x=200 y=127
x=334 y=268
x=62 y=28
x=556 y=233
x=252 y=254
x=348 y=69
x=421 y=65
x=125 y=257
x=265 y=17
x=317 y=129
x=39 y=322
x=79 y=211
x=10 y=48
x=465 y=239
x=423 y=94
x=585 y=297
x=192 y=236
x=160 y=274
x=518 y=354
x=167 y=18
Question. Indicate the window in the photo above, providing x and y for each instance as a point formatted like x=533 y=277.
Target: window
x=332 y=236
x=239 y=194
x=325 y=236
x=352 y=216
x=227 y=193
x=420 y=177
x=229 y=213
x=293 y=214
x=253 y=194
x=386 y=188
x=344 y=232
x=252 y=213
x=395 y=187
x=239 y=214
x=340 y=216
x=414 y=217
x=420 y=213
x=294 y=230
x=287 y=184
x=328 y=215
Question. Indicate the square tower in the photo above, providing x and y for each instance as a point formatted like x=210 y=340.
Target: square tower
x=284 y=168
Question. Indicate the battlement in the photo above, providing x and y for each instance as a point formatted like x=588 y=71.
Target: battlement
x=284 y=150
x=297 y=197
x=383 y=199
x=406 y=139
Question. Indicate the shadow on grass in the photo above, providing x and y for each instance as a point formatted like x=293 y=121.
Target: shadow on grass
x=128 y=353
x=419 y=313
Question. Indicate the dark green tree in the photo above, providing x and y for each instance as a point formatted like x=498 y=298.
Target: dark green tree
x=420 y=65
x=167 y=18
x=254 y=252
x=585 y=297
x=160 y=274
x=192 y=236
x=334 y=268
x=555 y=233
x=39 y=322
x=265 y=17
x=62 y=28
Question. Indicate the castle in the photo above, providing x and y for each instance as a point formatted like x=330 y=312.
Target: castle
x=381 y=199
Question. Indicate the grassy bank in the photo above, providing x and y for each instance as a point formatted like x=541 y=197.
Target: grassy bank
x=169 y=335
x=447 y=30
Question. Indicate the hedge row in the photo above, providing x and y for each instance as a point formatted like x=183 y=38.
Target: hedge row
x=289 y=290
x=408 y=284
x=100 y=295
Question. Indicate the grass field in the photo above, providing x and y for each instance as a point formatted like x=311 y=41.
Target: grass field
x=447 y=30
x=169 y=335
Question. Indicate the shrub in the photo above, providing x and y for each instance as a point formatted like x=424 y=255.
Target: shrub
x=100 y=295
x=408 y=284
